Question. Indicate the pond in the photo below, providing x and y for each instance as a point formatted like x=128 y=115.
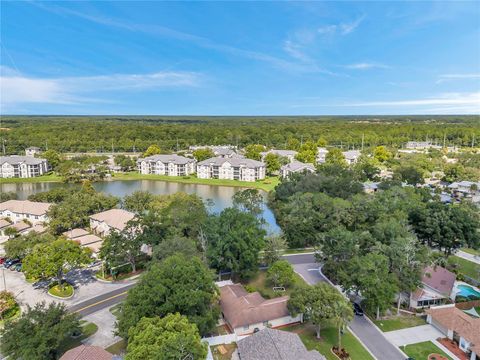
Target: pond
x=219 y=196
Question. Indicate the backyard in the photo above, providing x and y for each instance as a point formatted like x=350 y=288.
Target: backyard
x=260 y=284
x=420 y=351
x=465 y=267
x=329 y=338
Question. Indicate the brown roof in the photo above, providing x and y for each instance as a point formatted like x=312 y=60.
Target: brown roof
x=39 y=228
x=87 y=239
x=455 y=319
x=21 y=225
x=95 y=247
x=25 y=207
x=74 y=233
x=116 y=218
x=241 y=308
x=4 y=223
x=439 y=279
x=87 y=352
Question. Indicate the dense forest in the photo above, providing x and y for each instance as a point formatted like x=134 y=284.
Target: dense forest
x=136 y=133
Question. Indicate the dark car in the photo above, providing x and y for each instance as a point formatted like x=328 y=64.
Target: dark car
x=11 y=262
x=17 y=267
x=357 y=309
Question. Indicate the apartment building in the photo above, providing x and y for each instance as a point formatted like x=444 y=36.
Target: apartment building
x=234 y=168
x=171 y=165
x=19 y=210
x=16 y=166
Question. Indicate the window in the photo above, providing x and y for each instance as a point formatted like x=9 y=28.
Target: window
x=246 y=327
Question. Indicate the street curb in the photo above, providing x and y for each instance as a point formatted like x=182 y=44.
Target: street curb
x=383 y=334
x=61 y=298
x=361 y=342
x=305 y=253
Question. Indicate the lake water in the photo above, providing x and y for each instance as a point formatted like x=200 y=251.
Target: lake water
x=220 y=196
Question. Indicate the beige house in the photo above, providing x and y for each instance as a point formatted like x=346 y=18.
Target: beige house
x=18 y=210
x=22 y=166
x=296 y=167
x=114 y=219
x=244 y=313
x=458 y=326
x=235 y=168
x=171 y=165
x=85 y=239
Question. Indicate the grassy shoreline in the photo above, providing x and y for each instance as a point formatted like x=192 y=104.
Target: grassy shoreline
x=267 y=185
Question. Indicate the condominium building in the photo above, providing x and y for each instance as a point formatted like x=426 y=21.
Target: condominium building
x=234 y=168
x=22 y=166
x=106 y=221
x=351 y=156
x=171 y=165
x=18 y=210
x=289 y=154
x=296 y=167
x=321 y=155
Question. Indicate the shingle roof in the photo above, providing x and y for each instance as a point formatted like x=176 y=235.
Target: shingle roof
x=455 y=319
x=4 y=223
x=21 y=226
x=17 y=159
x=74 y=233
x=242 y=308
x=271 y=344
x=25 y=207
x=351 y=154
x=298 y=166
x=234 y=161
x=439 y=278
x=87 y=352
x=171 y=158
x=87 y=239
x=116 y=218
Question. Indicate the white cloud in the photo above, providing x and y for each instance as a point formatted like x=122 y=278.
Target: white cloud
x=366 y=66
x=450 y=77
x=17 y=88
x=341 y=28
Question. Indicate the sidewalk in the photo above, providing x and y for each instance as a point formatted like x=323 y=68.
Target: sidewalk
x=467 y=256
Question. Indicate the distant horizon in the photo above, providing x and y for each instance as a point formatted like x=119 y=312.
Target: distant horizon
x=230 y=115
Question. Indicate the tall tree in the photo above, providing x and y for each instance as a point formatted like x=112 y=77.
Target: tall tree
x=335 y=157
x=253 y=151
x=138 y=202
x=53 y=158
x=203 y=154
x=52 y=260
x=177 y=284
x=39 y=333
x=272 y=163
x=235 y=239
x=274 y=246
x=281 y=273
x=152 y=150
x=21 y=246
x=381 y=154
x=121 y=247
x=172 y=337
x=249 y=200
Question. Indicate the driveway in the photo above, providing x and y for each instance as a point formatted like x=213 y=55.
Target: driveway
x=87 y=287
x=104 y=336
x=371 y=337
x=413 y=335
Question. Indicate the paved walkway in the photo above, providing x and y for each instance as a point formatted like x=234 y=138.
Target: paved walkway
x=413 y=335
x=105 y=321
x=467 y=256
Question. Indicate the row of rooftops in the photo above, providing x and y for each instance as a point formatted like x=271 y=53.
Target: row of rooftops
x=17 y=160
x=236 y=160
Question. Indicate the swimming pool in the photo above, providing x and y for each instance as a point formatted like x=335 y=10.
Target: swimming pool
x=467 y=292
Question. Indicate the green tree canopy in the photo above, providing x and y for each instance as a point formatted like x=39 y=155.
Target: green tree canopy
x=21 y=246
x=335 y=157
x=203 y=154
x=138 y=202
x=177 y=284
x=281 y=273
x=152 y=150
x=253 y=151
x=172 y=337
x=272 y=163
x=39 y=333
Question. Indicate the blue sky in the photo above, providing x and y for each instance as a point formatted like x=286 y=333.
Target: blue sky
x=240 y=58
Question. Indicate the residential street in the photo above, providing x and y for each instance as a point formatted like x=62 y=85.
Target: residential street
x=467 y=256
x=371 y=337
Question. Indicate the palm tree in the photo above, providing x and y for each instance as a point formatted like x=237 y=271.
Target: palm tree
x=343 y=315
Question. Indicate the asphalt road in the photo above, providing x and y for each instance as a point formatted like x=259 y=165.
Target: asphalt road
x=371 y=337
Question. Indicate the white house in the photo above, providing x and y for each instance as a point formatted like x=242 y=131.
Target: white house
x=245 y=313
x=436 y=288
x=421 y=145
x=234 y=168
x=106 y=221
x=171 y=165
x=32 y=151
x=296 y=167
x=289 y=154
x=351 y=156
x=465 y=187
x=321 y=155
x=22 y=166
x=457 y=325
x=18 y=210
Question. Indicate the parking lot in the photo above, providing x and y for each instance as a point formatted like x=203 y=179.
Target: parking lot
x=86 y=287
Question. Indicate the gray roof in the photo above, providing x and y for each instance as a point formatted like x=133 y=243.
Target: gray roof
x=351 y=154
x=298 y=166
x=171 y=158
x=234 y=161
x=271 y=344
x=17 y=159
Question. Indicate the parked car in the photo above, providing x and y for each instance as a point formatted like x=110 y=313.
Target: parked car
x=357 y=309
x=11 y=262
x=2 y=260
x=16 y=267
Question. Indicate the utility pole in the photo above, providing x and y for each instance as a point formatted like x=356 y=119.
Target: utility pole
x=363 y=139
x=444 y=140
x=46 y=145
x=473 y=141
x=3 y=145
x=113 y=150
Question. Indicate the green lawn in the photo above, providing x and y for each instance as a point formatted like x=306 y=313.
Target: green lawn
x=118 y=348
x=466 y=267
x=268 y=184
x=57 y=291
x=421 y=350
x=88 y=329
x=43 y=178
x=259 y=283
x=329 y=338
x=471 y=251
x=399 y=322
